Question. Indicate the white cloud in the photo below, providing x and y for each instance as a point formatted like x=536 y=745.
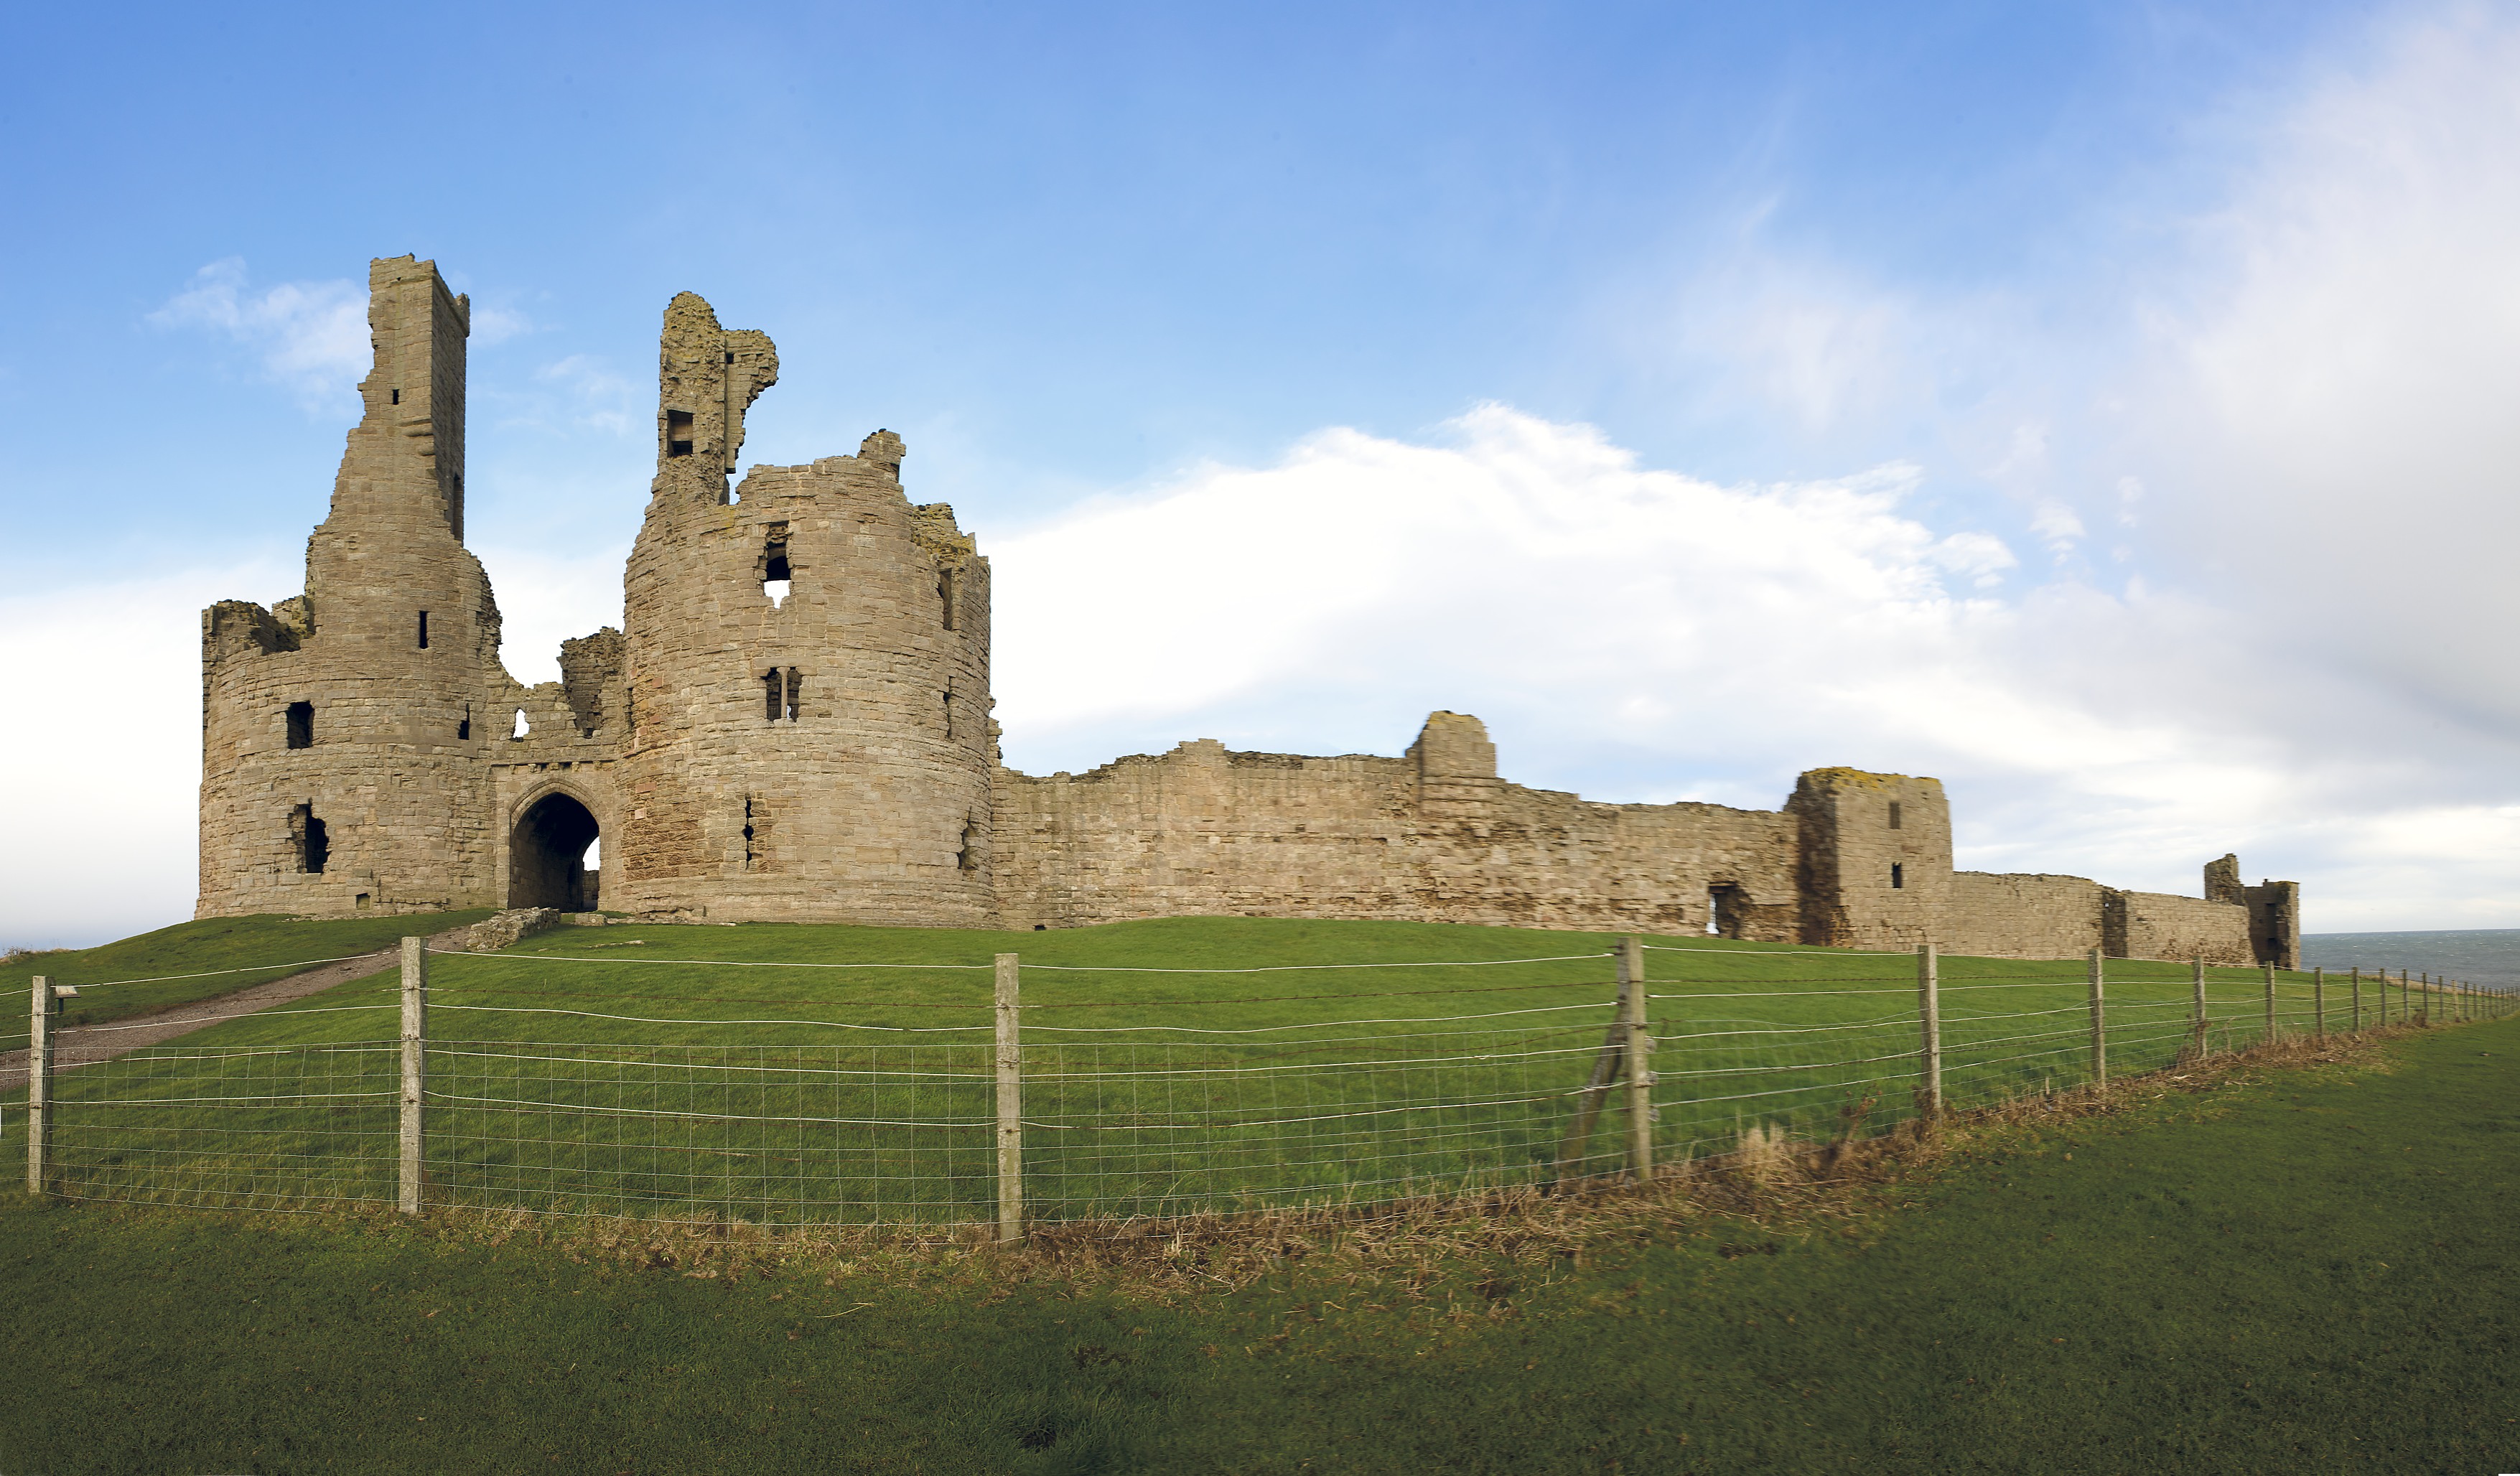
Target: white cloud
x=2330 y=423
x=311 y=336
x=2058 y=526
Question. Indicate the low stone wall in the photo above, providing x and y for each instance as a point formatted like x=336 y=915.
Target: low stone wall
x=509 y=927
x=1994 y=915
x=2158 y=925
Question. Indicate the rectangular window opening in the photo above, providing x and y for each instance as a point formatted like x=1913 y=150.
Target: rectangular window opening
x=424 y=629
x=949 y=714
x=1894 y=815
x=967 y=857
x=795 y=691
x=1898 y=877
x=776 y=580
x=301 y=725
x=945 y=595
x=677 y=433
x=397 y=397
x=463 y=728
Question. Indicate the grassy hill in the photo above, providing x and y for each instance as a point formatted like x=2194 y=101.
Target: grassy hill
x=2295 y=1270
x=207 y=957
x=804 y=1074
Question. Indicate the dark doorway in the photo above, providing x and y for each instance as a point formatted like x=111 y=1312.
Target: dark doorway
x=547 y=857
x=1726 y=909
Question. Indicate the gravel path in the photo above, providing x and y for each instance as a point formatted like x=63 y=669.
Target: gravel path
x=89 y=1045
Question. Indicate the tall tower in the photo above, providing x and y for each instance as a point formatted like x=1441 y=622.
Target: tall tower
x=341 y=769
x=808 y=662
x=1875 y=856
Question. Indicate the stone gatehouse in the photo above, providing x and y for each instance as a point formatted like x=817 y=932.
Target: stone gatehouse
x=794 y=723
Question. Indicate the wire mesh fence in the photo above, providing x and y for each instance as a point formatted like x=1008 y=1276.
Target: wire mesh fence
x=546 y=1086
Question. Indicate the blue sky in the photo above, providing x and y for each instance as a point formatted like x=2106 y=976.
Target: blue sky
x=2097 y=405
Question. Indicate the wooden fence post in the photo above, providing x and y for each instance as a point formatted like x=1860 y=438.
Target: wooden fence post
x=2099 y=1028
x=1607 y=1062
x=2196 y=975
x=39 y=1085
x=1929 y=1017
x=2270 y=1038
x=2406 y=1001
x=2319 y=1001
x=2358 y=999
x=1640 y=1079
x=414 y=1045
x=1009 y=1100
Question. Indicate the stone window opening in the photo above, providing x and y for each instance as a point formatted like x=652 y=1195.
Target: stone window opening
x=306 y=837
x=777 y=579
x=782 y=689
x=677 y=433
x=1898 y=877
x=945 y=595
x=424 y=629
x=523 y=727
x=397 y=397
x=301 y=725
x=752 y=839
x=949 y=714
x=966 y=855
x=463 y=728
x=1894 y=815
x=360 y=902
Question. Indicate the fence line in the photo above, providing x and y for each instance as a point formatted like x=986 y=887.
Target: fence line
x=1006 y=1121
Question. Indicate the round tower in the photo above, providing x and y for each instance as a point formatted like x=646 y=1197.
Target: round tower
x=808 y=664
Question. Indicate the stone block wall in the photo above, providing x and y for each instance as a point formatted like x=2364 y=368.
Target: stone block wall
x=2159 y=926
x=1429 y=836
x=2017 y=916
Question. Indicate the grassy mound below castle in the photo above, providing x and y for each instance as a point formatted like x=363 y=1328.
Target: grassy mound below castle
x=2294 y=1270
x=786 y=1074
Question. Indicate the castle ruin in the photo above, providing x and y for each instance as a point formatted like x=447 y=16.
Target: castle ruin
x=793 y=724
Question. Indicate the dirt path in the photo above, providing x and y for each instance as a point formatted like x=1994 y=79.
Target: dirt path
x=89 y=1045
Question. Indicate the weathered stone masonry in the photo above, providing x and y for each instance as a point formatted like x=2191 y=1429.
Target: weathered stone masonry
x=794 y=723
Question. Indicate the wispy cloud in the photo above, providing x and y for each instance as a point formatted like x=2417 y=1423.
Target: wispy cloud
x=310 y=336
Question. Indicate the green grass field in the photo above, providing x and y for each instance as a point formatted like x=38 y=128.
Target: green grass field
x=788 y=1074
x=2299 y=1269
x=206 y=955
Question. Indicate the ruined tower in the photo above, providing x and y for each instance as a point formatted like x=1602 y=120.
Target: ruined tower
x=1876 y=867
x=808 y=662
x=338 y=763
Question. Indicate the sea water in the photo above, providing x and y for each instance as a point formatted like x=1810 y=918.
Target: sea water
x=2487 y=956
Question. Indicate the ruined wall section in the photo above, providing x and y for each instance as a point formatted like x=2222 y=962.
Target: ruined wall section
x=2275 y=922
x=1431 y=836
x=2000 y=915
x=341 y=764
x=2160 y=925
x=821 y=754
